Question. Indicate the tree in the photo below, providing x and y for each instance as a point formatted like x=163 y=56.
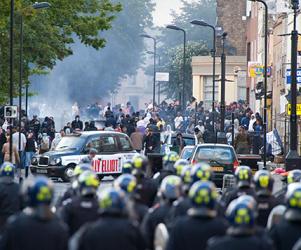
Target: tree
x=175 y=65
x=49 y=34
x=100 y=72
x=201 y=9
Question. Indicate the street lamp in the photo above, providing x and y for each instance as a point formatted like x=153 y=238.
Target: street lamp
x=223 y=82
x=174 y=27
x=36 y=6
x=265 y=81
x=155 y=54
x=292 y=158
x=204 y=24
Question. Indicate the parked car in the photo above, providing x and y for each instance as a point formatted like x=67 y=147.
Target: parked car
x=113 y=149
x=169 y=141
x=221 y=157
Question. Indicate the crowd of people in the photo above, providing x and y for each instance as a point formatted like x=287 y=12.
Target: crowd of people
x=175 y=209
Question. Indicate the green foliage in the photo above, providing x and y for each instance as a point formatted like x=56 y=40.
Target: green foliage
x=49 y=34
x=175 y=68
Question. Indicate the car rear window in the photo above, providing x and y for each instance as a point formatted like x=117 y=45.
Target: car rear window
x=125 y=143
x=220 y=154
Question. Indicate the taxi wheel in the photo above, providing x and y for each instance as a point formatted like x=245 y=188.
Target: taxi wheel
x=68 y=173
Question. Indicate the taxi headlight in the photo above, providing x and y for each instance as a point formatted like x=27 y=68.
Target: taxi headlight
x=55 y=161
x=34 y=161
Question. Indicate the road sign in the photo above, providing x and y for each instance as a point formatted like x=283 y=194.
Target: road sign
x=289 y=108
x=10 y=111
x=289 y=78
x=162 y=76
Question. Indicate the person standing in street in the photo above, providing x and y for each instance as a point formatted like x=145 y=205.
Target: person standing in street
x=2 y=141
x=178 y=121
x=15 y=159
x=30 y=150
x=137 y=140
x=17 y=135
x=77 y=124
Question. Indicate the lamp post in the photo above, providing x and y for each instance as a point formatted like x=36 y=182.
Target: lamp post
x=36 y=6
x=292 y=158
x=204 y=24
x=265 y=80
x=174 y=27
x=223 y=82
x=11 y=65
x=155 y=54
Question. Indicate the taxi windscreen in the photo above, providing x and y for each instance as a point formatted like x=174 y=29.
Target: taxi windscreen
x=70 y=143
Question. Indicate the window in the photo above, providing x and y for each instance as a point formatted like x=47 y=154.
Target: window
x=93 y=143
x=125 y=143
x=108 y=144
x=220 y=154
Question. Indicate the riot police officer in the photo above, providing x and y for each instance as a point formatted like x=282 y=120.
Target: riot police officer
x=113 y=230
x=127 y=167
x=179 y=165
x=242 y=233
x=243 y=176
x=170 y=190
x=36 y=227
x=82 y=208
x=265 y=199
x=135 y=208
x=292 y=177
x=9 y=193
x=72 y=190
x=286 y=233
x=168 y=167
x=146 y=189
x=201 y=223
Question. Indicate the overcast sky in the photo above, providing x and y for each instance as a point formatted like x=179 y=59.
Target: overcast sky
x=163 y=10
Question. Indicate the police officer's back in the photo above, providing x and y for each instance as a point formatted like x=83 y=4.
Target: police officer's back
x=201 y=222
x=146 y=189
x=242 y=233
x=113 y=230
x=265 y=199
x=243 y=176
x=170 y=190
x=82 y=208
x=36 y=227
x=288 y=231
x=135 y=208
x=9 y=193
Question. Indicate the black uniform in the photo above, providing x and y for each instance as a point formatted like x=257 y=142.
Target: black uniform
x=179 y=208
x=286 y=234
x=152 y=219
x=235 y=193
x=136 y=210
x=146 y=190
x=192 y=232
x=79 y=210
x=69 y=193
x=109 y=233
x=239 y=242
x=9 y=199
x=27 y=232
x=265 y=204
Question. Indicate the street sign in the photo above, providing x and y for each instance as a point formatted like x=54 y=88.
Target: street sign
x=289 y=108
x=289 y=78
x=10 y=111
x=162 y=76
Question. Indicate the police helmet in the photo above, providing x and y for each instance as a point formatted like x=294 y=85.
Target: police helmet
x=201 y=172
x=139 y=165
x=80 y=168
x=7 y=169
x=170 y=188
x=186 y=175
x=127 y=167
x=294 y=176
x=88 y=183
x=240 y=214
x=243 y=175
x=293 y=202
x=37 y=191
x=263 y=182
x=111 y=201
x=179 y=165
x=169 y=161
x=126 y=182
x=203 y=198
